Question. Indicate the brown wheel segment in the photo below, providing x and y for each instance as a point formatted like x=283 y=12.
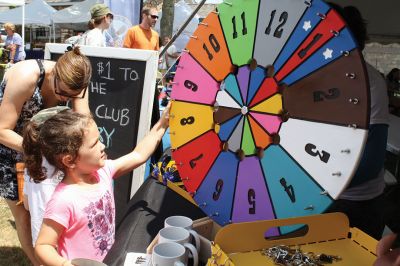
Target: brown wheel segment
x=224 y=114
x=329 y=96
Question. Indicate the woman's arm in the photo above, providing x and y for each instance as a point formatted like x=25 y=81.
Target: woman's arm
x=45 y=247
x=13 y=49
x=145 y=148
x=19 y=89
x=81 y=105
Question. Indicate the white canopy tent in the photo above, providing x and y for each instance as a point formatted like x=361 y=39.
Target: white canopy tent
x=127 y=8
x=17 y=3
x=11 y=2
x=77 y=13
x=38 y=12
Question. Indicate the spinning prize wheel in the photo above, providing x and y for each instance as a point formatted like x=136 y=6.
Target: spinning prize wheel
x=270 y=110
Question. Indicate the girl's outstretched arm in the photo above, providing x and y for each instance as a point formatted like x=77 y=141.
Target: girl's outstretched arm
x=145 y=148
x=45 y=248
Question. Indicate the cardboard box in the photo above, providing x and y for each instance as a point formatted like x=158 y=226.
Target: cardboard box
x=241 y=244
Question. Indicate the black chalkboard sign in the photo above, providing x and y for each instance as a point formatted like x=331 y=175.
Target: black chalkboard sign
x=120 y=99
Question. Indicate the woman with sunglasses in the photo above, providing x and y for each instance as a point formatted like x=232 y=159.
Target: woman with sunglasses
x=100 y=21
x=28 y=87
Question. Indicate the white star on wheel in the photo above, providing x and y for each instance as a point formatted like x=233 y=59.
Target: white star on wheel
x=328 y=53
x=307 y=25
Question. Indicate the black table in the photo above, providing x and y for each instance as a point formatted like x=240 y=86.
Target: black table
x=145 y=216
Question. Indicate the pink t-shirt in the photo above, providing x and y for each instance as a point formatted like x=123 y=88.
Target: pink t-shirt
x=88 y=215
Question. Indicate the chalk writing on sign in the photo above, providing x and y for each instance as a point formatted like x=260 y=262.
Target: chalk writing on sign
x=104 y=70
x=106 y=136
x=98 y=87
x=116 y=115
x=129 y=73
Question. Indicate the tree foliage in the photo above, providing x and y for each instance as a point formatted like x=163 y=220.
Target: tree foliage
x=167 y=20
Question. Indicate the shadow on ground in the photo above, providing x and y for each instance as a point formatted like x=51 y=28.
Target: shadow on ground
x=11 y=255
x=12 y=223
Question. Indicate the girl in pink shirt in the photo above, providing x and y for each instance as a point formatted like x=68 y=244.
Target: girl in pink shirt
x=79 y=220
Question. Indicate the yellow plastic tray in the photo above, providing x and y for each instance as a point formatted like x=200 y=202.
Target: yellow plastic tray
x=241 y=244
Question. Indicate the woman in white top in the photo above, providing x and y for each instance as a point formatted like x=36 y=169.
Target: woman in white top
x=100 y=21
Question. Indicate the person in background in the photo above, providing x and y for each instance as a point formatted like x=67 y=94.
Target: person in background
x=393 y=79
x=14 y=44
x=28 y=87
x=393 y=89
x=169 y=57
x=362 y=201
x=100 y=21
x=142 y=36
x=79 y=220
x=73 y=39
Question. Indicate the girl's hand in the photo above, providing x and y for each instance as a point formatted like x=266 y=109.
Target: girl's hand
x=164 y=120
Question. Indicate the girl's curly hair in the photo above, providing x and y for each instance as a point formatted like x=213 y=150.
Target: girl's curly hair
x=60 y=135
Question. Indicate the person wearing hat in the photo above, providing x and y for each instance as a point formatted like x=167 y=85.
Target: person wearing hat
x=100 y=21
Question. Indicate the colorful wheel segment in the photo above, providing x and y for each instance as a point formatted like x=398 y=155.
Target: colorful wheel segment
x=270 y=110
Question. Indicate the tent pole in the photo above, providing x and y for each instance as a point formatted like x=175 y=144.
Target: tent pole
x=23 y=25
x=54 y=33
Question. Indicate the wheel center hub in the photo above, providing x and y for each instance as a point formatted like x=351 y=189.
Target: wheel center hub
x=244 y=110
